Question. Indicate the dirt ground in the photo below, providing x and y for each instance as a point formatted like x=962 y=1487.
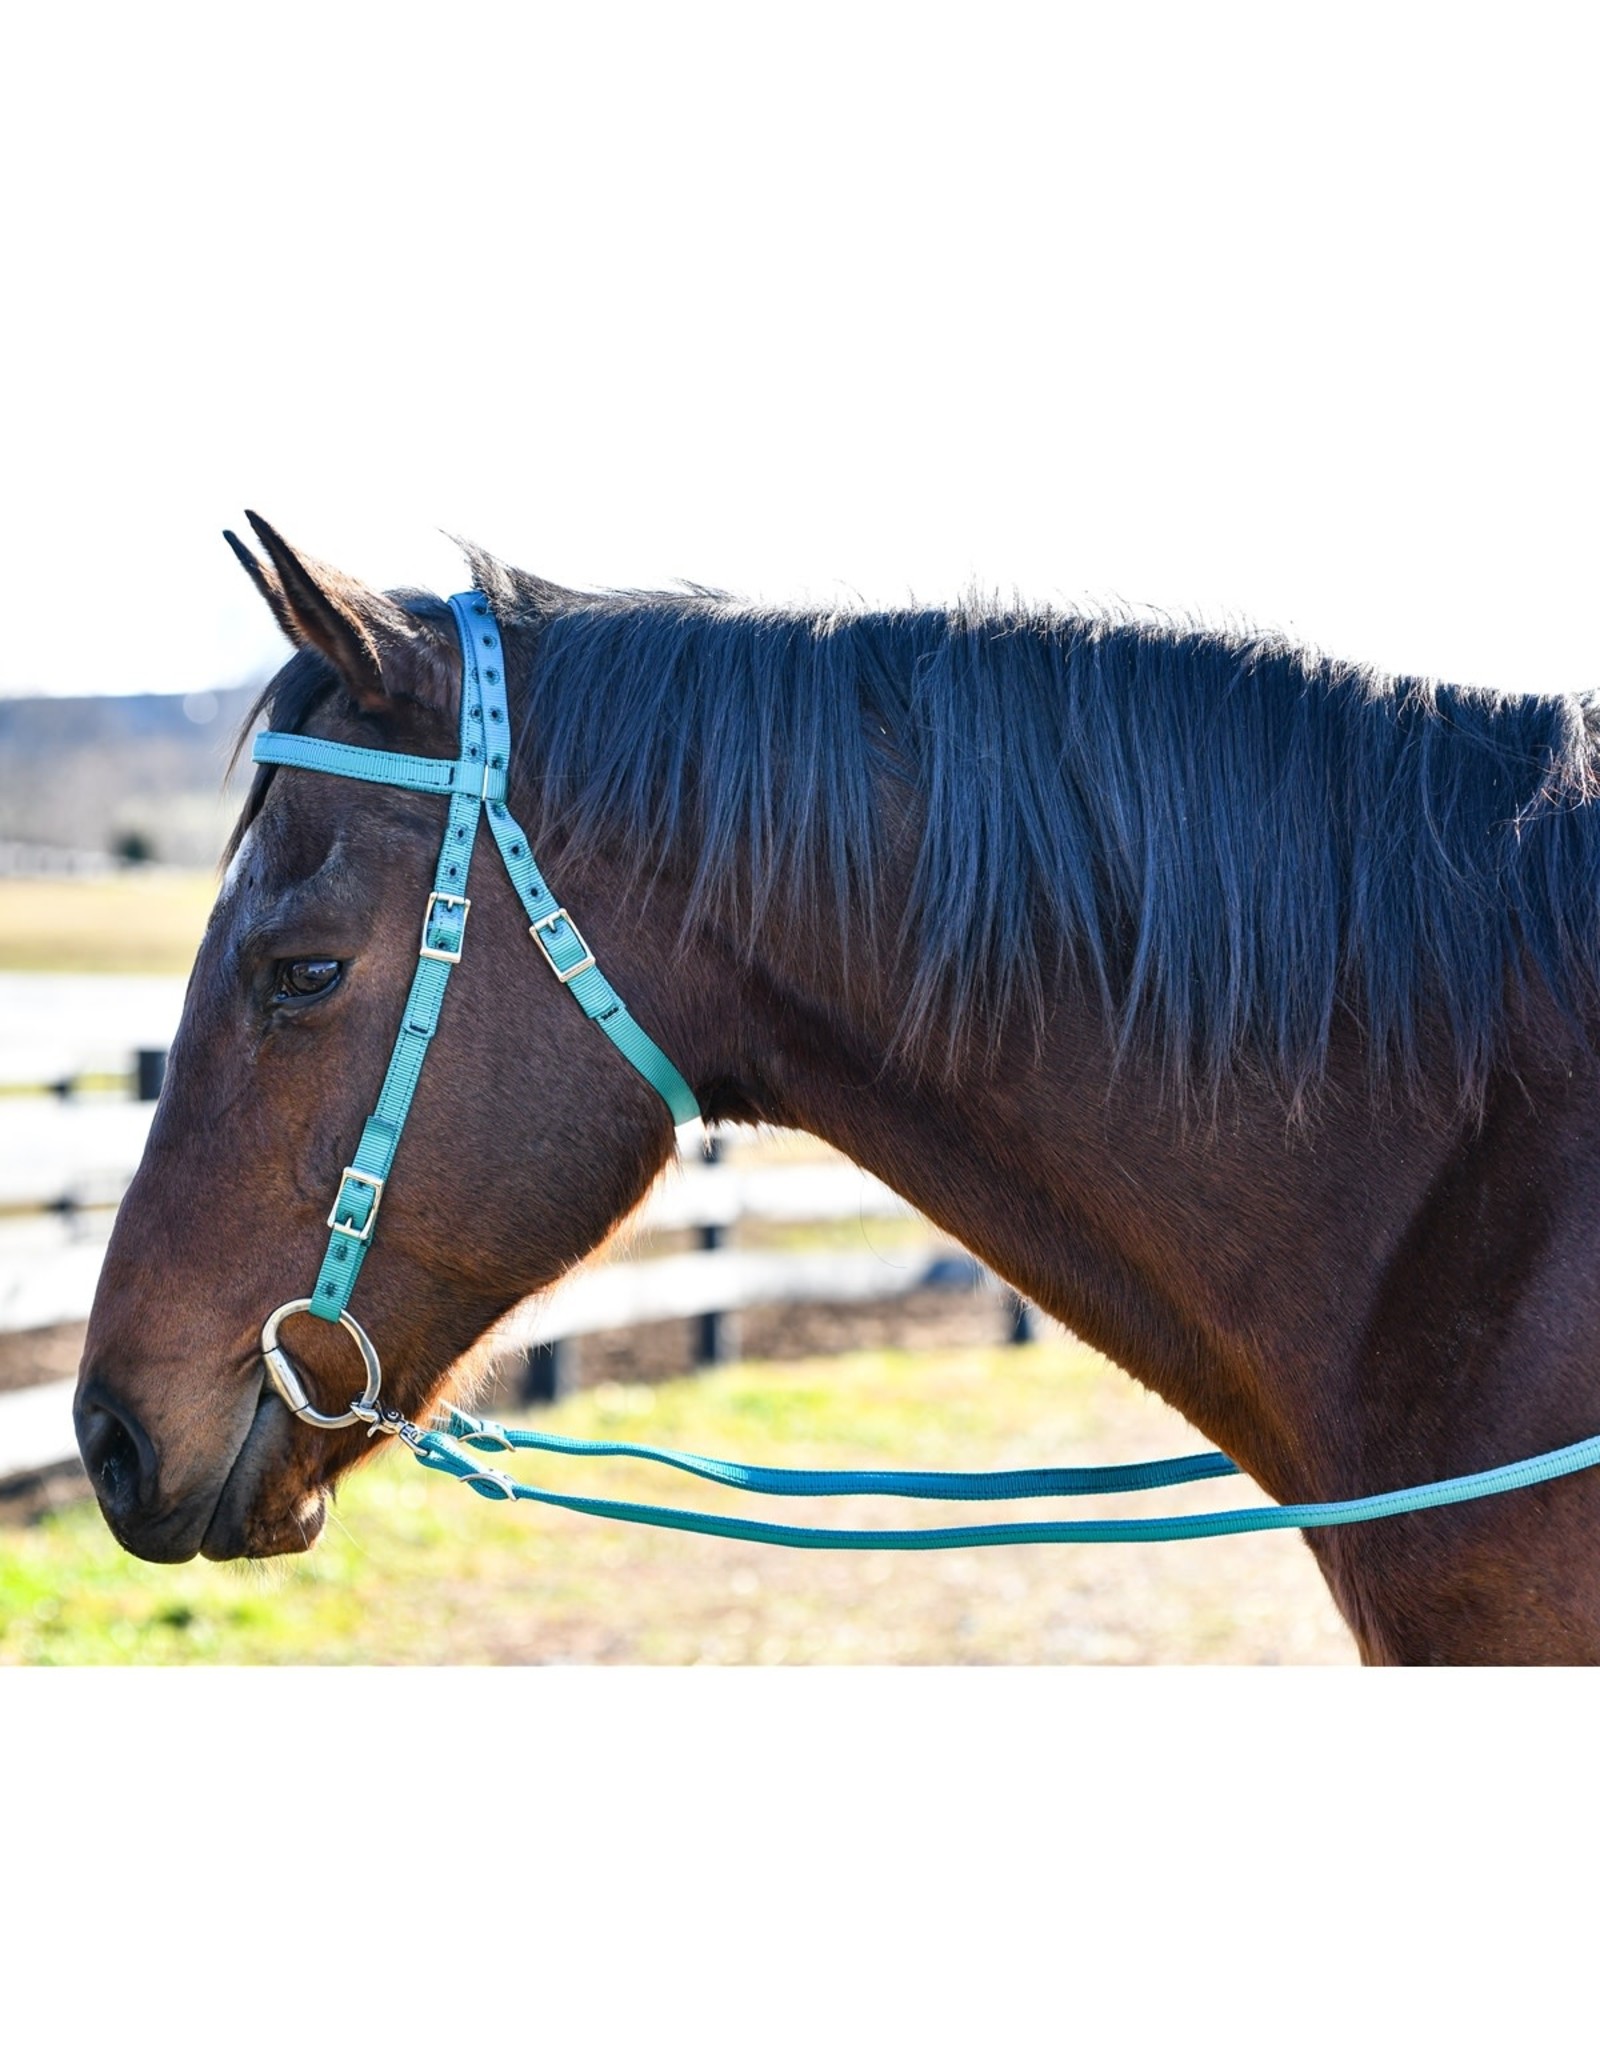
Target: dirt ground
x=1252 y=1600
x=30 y=1357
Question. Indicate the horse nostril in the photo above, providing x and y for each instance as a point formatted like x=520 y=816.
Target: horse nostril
x=117 y=1455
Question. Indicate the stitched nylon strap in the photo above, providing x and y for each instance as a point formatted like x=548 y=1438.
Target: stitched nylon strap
x=372 y=764
x=1030 y=1484
x=550 y=926
x=474 y=782
x=438 y=1451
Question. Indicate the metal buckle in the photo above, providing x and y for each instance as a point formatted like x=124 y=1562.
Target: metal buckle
x=383 y=1421
x=562 y=974
x=507 y=1485
x=362 y=1232
x=489 y=780
x=443 y=952
x=483 y=1436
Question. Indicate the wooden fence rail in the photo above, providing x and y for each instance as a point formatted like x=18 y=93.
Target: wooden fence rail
x=65 y=1162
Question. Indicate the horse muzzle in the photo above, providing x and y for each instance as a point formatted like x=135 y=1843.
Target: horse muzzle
x=249 y=1506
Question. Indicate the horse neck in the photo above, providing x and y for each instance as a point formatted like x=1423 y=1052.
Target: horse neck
x=1244 y=1265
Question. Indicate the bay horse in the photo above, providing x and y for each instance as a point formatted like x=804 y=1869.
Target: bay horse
x=1234 y=1003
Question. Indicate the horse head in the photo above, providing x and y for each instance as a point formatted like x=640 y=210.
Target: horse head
x=527 y=1141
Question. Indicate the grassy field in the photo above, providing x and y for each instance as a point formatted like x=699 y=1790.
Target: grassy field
x=127 y=923
x=416 y=1569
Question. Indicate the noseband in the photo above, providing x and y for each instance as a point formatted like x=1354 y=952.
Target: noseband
x=475 y=783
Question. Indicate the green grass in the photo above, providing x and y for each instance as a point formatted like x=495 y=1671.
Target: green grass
x=133 y=923
x=417 y=1569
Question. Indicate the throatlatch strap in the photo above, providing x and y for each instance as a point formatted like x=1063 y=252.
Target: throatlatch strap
x=549 y=925
x=476 y=779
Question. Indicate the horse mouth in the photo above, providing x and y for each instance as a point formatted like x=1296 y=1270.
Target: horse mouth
x=262 y=1511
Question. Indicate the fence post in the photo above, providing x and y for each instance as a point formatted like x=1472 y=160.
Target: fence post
x=546 y=1369
x=713 y=1343
x=1022 y=1330
x=150 y=1070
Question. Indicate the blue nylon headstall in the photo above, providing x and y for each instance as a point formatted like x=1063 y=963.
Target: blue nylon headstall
x=475 y=783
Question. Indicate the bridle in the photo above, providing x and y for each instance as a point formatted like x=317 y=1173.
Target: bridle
x=476 y=784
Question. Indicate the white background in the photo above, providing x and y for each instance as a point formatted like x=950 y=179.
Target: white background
x=1249 y=311
x=1275 y=312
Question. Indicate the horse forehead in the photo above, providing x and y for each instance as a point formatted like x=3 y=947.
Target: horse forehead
x=274 y=852
x=284 y=852
x=243 y=854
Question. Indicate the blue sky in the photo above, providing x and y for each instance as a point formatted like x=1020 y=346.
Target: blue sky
x=1258 y=313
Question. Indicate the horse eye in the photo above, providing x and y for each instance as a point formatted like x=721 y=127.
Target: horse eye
x=299 y=980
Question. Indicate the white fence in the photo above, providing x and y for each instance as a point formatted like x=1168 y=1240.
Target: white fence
x=66 y=1157
x=61 y=1028
x=68 y=1162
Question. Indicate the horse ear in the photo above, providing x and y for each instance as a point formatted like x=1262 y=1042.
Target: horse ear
x=379 y=651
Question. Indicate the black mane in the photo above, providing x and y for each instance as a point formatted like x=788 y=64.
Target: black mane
x=1227 y=837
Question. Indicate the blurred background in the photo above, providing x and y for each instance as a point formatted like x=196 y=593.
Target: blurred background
x=1221 y=313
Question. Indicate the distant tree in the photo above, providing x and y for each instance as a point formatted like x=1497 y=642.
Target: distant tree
x=132 y=847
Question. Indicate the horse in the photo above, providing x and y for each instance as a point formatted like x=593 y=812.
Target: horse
x=1234 y=1003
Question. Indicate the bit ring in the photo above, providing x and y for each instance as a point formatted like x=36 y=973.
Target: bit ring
x=286 y=1381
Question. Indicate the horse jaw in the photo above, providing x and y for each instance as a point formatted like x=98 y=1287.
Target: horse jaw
x=262 y=1510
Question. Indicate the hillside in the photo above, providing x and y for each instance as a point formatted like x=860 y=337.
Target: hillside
x=110 y=775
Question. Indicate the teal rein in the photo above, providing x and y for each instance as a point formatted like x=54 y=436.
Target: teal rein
x=477 y=783
x=437 y=1449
